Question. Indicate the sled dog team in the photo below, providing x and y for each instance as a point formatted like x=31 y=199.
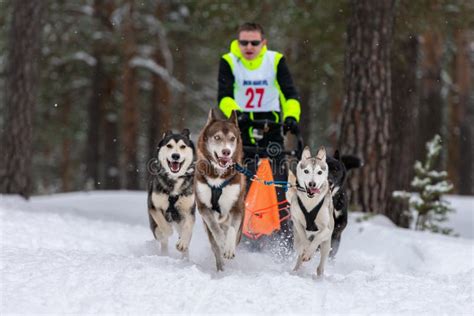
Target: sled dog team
x=186 y=177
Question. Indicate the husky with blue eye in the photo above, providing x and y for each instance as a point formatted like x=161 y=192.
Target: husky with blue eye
x=312 y=210
x=170 y=191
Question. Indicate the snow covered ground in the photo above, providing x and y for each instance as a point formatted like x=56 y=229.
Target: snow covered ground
x=93 y=253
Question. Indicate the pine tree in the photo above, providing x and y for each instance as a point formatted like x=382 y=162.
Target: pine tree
x=428 y=188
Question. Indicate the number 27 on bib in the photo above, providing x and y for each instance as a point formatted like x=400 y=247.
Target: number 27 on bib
x=254 y=97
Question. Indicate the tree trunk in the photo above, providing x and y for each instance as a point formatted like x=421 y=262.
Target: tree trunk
x=367 y=104
x=130 y=106
x=160 y=111
x=161 y=99
x=303 y=52
x=101 y=94
x=182 y=68
x=468 y=130
x=21 y=96
x=66 y=145
x=111 y=141
x=95 y=113
x=460 y=143
x=306 y=119
x=336 y=112
x=404 y=104
x=430 y=114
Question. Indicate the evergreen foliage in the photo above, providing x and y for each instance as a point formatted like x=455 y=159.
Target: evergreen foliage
x=429 y=186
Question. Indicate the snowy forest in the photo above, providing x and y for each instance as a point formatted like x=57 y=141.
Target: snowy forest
x=89 y=87
x=107 y=78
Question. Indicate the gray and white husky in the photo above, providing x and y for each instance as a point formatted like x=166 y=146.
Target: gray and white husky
x=170 y=191
x=311 y=208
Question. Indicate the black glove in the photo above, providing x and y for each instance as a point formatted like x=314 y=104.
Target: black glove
x=291 y=125
x=243 y=119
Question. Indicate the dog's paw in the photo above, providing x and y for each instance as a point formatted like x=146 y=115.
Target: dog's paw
x=306 y=256
x=229 y=253
x=320 y=272
x=182 y=246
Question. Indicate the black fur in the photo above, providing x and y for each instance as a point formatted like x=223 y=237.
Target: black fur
x=338 y=168
x=160 y=182
x=168 y=135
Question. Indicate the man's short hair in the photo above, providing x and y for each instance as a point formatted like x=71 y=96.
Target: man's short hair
x=249 y=27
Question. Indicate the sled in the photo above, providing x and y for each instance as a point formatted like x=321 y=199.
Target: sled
x=264 y=214
x=262 y=209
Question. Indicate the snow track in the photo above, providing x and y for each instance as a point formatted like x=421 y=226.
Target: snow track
x=89 y=253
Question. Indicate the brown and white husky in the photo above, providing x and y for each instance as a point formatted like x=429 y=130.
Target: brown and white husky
x=219 y=188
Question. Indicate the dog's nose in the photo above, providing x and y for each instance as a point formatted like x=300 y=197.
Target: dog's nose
x=226 y=152
x=175 y=156
x=312 y=184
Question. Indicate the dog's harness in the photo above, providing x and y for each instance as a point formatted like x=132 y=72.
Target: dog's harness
x=310 y=217
x=172 y=213
x=216 y=193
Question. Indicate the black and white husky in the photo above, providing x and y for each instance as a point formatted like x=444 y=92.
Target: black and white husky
x=170 y=191
x=311 y=208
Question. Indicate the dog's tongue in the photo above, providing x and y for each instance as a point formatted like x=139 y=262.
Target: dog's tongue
x=313 y=190
x=224 y=161
x=175 y=166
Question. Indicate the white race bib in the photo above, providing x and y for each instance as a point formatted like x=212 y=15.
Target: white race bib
x=255 y=90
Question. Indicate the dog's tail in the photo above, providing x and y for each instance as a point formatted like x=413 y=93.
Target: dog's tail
x=351 y=162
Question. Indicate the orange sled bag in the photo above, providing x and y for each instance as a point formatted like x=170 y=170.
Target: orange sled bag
x=261 y=205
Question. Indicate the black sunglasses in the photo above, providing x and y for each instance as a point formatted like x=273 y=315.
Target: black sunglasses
x=245 y=43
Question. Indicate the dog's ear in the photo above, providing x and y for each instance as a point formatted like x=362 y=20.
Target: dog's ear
x=306 y=153
x=185 y=133
x=166 y=134
x=233 y=118
x=337 y=155
x=321 y=155
x=211 y=117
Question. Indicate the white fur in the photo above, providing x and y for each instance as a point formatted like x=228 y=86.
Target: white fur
x=186 y=157
x=324 y=220
x=309 y=172
x=164 y=229
x=215 y=182
x=217 y=143
x=230 y=243
x=204 y=193
x=230 y=194
x=160 y=200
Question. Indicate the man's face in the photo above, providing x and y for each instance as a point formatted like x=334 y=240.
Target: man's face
x=247 y=39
